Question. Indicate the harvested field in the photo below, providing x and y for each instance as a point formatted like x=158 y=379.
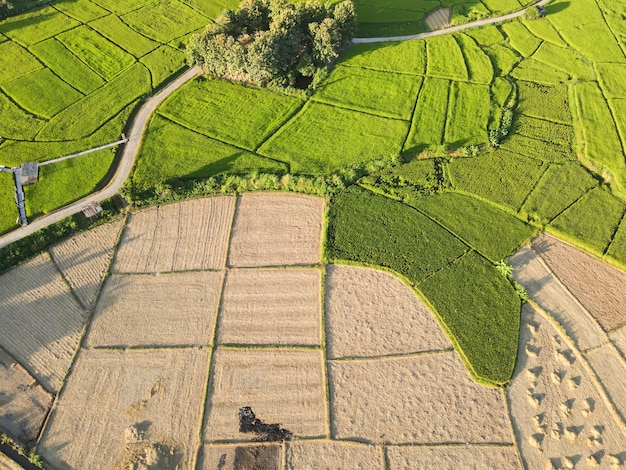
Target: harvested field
x=610 y=368
x=272 y=229
x=271 y=306
x=23 y=402
x=618 y=338
x=423 y=399
x=165 y=310
x=41 y=321
x=333 y=454
x=559 y=417
x=550 y=295
x=149 y=410
x=177 y=237
x=597 y=285
x=84 y=260
x=241 y=457
x=436 y=458
x=283 y=386
x=373 y=313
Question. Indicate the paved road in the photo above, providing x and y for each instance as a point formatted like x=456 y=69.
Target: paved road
x=123 y=170
x=452 y=29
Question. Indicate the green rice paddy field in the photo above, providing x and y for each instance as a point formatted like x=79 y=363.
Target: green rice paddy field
x=443 y=219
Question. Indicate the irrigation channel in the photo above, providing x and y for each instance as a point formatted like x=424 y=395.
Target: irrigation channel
x=140 y=120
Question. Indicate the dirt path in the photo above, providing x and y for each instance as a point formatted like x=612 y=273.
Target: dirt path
x=121 y=173
x=453 y=29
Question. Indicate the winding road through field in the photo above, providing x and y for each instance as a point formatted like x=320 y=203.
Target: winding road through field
x=140 y=121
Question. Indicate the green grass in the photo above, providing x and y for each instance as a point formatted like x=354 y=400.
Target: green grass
x=618 y=108
x=369 y=228
x=501 y=91
x=477 y=62
x=8 y=209
x=36 y=25
x=17 y=123
x=172 y=151
x=503 y=58
x=119 y=7
x=498 y=7
x=99 y=54
x=82 y=10
x=429 y=120
x=559 y=187
x=87 y=115
x=501 y=177
x=595 y=41
x=572 y=14
x=21 y=62
x=42 y=93
x=543 y=29
x=537 y=148
x=163 y=63
x=468 y=114
x=481 y=310
x=445 y=59
x=555 y=133
x=214 y=8
x=592 y=220
x=544 y=102
x=112 y=28
x=391 y=57
x=67 y=66
x=490 y=231
x=602 y=143
x=165 y=20
x=382 y=93
x=237 y=114
x=66 y=181
x=564 y=60
x=521 y=39
x=611 y=78
x=322 y=139
x=533 y=71
x=617 y=249
x=486 y=35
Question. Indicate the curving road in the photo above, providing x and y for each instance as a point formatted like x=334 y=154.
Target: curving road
x=139 y=123
x=123 y=170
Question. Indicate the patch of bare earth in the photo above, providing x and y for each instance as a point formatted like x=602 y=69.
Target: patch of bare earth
x=23 y=402
x=423 y=399
x=271 y=306
x=172 y=309
x=600 y=287
x=41 y=321
x=241 y=457
x=8 y=464
x=560 y=418
x=276 y=229
x=177 y=237
x=610 y=368
x=281 y=386
x=373 y=313
x=454 y=457
x=85 y=258
x=618 y=338
x=333 y=454
x=129 y=409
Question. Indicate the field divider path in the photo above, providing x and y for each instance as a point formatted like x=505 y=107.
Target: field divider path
x=122 y=172
x=452 y=29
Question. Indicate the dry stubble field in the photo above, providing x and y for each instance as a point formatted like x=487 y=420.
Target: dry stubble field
x=223 y=303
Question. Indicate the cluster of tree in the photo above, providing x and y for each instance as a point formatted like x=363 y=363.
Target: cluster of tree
x=272 y=42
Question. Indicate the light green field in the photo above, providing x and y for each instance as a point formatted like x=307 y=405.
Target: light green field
x=533 y=71
x=15 y=122
x=115 y=30
x=543 y=29
x=468 y=113
x=611 y=78
x=617 y=250
x=22 y=62
x=564 y=60
x=445 y=59
x=36 y=25
x=8 y=212
x=429 y=120
x=382 y=93
x=163 y=63
x=322 y=139
x=391 y=57
x=550 y=103
x=520 y=39
x=478 y=64
x=502 y=58
x=119 y=7
x=83 y=11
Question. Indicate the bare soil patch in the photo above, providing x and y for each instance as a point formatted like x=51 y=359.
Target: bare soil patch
x=8 y=464
x=545 y=289
x=600 y=287
x=129 y=409
x=282 y=386
x=373 y=313
x=610 y=368
x=438 y=18
x=241 y=457
x=559 y=417
x=271 y=306
x=41 y=321
x=333 y=454
x=84 y=259
x=423 y=399
x=172 y=309
x=177 y=237
x=452 y=457
x=276 y=229
x=618 y=338
x=23 y=402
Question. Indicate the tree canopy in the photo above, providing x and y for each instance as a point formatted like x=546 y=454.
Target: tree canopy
x=273 y=42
